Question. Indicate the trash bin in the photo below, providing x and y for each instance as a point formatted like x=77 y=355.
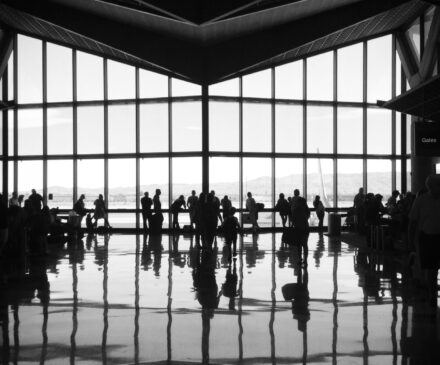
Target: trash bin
x=334 y=224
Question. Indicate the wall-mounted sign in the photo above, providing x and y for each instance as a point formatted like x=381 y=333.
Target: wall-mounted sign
x=427 y=139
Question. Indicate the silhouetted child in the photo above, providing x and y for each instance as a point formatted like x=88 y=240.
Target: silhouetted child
x=230 y=231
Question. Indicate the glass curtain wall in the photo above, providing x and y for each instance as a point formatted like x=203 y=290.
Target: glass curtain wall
x=90 y=125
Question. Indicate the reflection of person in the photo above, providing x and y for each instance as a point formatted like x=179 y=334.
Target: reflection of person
x=251 y=206
x=146 y=204
x=320 y=210
x=229 y=287
x=100 y=211
x=424 y=223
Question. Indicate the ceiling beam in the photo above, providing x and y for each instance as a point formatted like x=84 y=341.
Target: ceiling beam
x=430 y=53
x=409 y=62
x=171 y=53
x=6 y=44
x=244 y=52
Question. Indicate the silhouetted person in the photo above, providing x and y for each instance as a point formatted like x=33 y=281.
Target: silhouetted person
x=391 y=204
x=157 y=218
x=251 y=207
x=192 y=208
x=100 y=211
x=4 y=220
x=320 y=211
x=209 y=220
x=231 y=228
x=425 y=224
x=300 y=220
x=36 y=201
x=14 y=200
x=146 y=203
x=176 y=207
x=226 y=205
x=282 y=207
x=79 y=206
x=89 y=223
x=359 y=210
x=216 y=203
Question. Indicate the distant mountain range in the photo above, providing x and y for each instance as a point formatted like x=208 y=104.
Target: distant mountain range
x=348 y=186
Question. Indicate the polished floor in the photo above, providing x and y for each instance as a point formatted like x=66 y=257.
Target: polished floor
x=127 y=299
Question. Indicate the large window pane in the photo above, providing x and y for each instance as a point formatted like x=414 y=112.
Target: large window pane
x=350 y=179
x=398 y=133
x=289 y=81
x=379 y=178
x=320 y=77
x=288 y=176
x=399 y=176
x=319 y=129
x=187 y=126
x=121 y=80
x=11 y=177
x=409 y=175
x=187 y=176
x=11 y=86
x=184 y=88
x=90 y=123
x=350 y=130
x=153 y=127
x=30 y=132
x=257 y=179
x=60 y=183
x=30 y=176
x=289 y=128
x=379 y=69
x=225 y=88
x=152 y=84
x=59 y=73
x=408 y=135
x=30 y=70
x=224 y=178
x=122 y=184
x=154 y=175
x=320 y=181
x=90 y=180
x=350 y=73
x=378 y=131
x=59 y=131
x=223 y=126
x=121 y=128
x=257 y=127
x=257 y=85
x=11 y=132
x=90 y=77
x=398 y=75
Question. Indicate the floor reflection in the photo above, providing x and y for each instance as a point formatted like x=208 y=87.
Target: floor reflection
x=150 y=299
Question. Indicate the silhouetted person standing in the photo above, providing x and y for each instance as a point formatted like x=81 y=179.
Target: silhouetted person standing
x=36 y=201
x=320 y=210
x=282 y=207
x=192 y=207
x=146 y=203
x=100 y=211
x=251 y=206
x=226 y=205
x=359 y=210
x=13 y=201
x=424 y=222
x=157 y=218
x=176 y=207
x=300 y=220
x=79 y=206
x=230 y=232
x=216 y=203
